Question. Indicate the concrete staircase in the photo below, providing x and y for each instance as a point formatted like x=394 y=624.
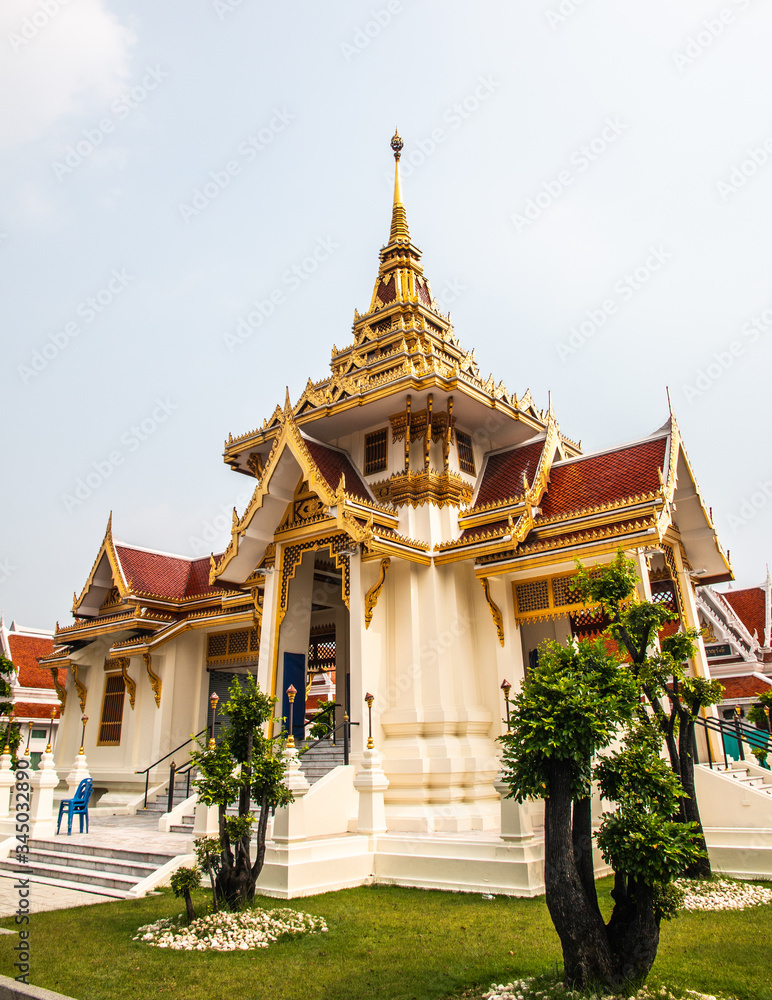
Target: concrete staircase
x=321 y=759
x=737 y=771
x=315 y=763
x=104 y=870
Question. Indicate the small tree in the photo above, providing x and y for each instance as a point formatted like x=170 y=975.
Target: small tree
x=246 y=765
x=183 y=881
x=12 y=732
x=660 y=675
x=574 y=703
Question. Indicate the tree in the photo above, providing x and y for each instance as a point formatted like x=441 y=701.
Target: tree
x=245 y=765
x=660 y=673
x=573 y=705
x=12 y=734
x=759 y=715
x=182 y=882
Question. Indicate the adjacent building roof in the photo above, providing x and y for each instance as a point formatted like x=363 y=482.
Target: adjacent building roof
x=609 y=477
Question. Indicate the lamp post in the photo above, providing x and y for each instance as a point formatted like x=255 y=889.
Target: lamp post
x=506 y=687
x=29 y=737
x=84 y=720
x=213 y=699
x=369 y=700
x=49 y=747
x=291 y=692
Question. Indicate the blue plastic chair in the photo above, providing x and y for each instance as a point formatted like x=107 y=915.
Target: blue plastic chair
x=76 y=806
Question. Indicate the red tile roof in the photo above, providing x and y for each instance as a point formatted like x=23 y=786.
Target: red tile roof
x=25 y=650
x=332 y=464
x=746 y=686
x=749 y=606
x=164 y=576
x=611 y=477
x=503 y=474
x=28 y=709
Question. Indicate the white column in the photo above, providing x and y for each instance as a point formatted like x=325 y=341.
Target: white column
x=516 y=825
x=207 y=821
x=43 y=782
x=290 y=822
x=371 y=783
x=77 y=774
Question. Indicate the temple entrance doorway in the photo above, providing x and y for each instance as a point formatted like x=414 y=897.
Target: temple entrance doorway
x=314 y=642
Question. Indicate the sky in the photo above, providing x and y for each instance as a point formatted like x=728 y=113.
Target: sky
x=590 y=183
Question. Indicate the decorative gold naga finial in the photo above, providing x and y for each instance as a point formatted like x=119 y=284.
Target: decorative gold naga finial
x=399 y=230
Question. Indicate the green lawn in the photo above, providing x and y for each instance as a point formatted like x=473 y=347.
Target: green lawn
x=383 y=942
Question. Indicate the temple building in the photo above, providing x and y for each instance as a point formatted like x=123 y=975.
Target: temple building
x=412 y=534
x=36 y=707
x=738 y=643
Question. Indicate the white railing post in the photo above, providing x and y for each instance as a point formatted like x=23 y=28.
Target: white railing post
x=289 y=825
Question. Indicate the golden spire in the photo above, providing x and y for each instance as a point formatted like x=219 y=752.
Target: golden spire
x=399 y=230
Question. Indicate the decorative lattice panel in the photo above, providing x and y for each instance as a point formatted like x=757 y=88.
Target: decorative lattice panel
x=532 y=596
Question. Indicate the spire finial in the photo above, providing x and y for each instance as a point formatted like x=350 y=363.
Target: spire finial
x=399 y=230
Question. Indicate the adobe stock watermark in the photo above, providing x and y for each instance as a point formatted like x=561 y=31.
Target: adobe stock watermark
x=562 y=12
x=7 y=569
x=706 y=377
x=706 y=34
x=580 y=160
x=741 y=172
x=623 y=291
x=75 y=153
x=130 y=441
x=751 y=505
x=23 y=801
x=214 y=531
x=86 y=311
x=31 y=26
x=452 y=289
x=430 y=653
x=246 y=151
x=369 y=31
x=454 y=117
x=224 y=7
x=292 y=278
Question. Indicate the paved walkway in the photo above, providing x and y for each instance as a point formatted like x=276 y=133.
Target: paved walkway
x=127 y=833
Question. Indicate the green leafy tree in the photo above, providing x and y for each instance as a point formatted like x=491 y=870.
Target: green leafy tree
x=573 y=705
x=207 y=850
x=758 y=711
x=246 y=766
x=759 y=715
x=674 y=698
x=12 y=734
x=183 y=881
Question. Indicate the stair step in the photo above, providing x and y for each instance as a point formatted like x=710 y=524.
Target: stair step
x=60 y=883
x=76 y=875
x=119 y=854
x=136 y=869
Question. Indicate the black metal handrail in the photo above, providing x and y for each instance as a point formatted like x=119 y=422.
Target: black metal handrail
x=160 y=760
x=346 y=727
x=734 y=728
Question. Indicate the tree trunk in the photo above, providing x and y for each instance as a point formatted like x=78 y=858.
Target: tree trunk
x=700 y=868
x=633 y=931
x=189 y=907
x=586 y=953
x=262 y=825
x=581 y=836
